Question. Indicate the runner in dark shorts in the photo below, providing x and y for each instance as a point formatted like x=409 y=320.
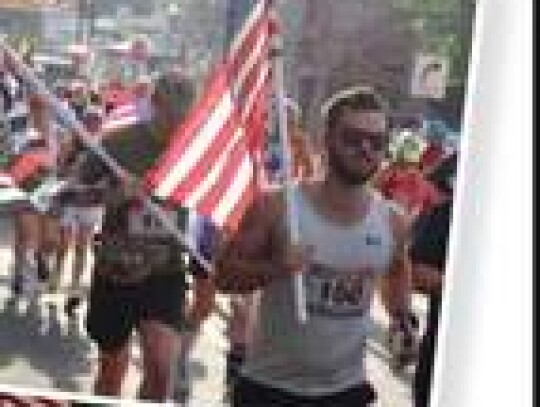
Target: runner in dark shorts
x=139 y=274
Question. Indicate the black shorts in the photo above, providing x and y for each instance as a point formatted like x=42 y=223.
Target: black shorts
x=247 y=393
x=115 y=310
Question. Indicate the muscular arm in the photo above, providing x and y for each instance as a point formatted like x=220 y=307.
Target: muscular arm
x=250 y=259
x=203 y=301
x=396 y=287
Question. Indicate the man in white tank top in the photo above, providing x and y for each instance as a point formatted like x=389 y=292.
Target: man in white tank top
x=350 y=239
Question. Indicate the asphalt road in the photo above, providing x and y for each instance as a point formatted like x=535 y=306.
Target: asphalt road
x=41 y=349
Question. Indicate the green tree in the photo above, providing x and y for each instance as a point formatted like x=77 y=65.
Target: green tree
x=445 y=27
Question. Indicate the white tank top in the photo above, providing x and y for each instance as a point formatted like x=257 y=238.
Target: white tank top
x=325 y=355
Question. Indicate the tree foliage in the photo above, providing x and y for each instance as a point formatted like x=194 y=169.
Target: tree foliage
x=446 y=28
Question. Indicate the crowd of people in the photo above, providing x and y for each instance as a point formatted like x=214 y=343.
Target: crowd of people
x=375 y=222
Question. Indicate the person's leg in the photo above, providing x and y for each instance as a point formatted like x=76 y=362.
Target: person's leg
x=18 y=254
x=29 y=245
x=57 y=277
x=423 y=374
x=79 y=261
x=68 y=237
x=83 y=241
x=161 y=300
x=50 y=245
x=110 y=323
x=238 y=333
x=181 y=379
x=160 y=346
x=89 y=224
x=80 y=268
x=112 y=369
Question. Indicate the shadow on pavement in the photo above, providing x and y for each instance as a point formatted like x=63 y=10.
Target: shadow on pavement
x=39 y=342
x=32 y=334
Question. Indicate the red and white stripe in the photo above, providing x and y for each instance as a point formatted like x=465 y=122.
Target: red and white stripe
x=123 y=116
x=6 y=180
x=28 y=165
x=9 y=400
x=209 y=165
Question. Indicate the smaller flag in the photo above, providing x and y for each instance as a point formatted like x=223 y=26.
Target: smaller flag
x=121 y=117
x=9 y=193
x=25 y=181
x=6 y=180
x=126 y=115
x=28 y=166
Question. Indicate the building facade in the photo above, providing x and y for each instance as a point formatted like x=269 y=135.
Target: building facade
x=349 y=42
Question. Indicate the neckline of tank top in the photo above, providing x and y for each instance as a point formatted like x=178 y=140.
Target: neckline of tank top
x=302 y=198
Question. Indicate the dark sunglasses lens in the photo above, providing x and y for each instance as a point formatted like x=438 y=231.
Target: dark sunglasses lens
x=378 y=141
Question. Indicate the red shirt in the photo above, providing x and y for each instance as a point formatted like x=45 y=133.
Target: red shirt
x=408 y=188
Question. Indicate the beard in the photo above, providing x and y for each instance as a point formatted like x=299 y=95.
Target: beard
x=346 y=175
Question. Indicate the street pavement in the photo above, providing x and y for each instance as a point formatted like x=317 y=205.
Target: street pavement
x=41 y=349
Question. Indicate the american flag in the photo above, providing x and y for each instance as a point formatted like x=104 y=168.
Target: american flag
x=11 y=400
x=209 y=166
x=125 y=115
x=26 y=182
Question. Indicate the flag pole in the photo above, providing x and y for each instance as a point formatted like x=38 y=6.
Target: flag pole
x=68 y=118
x=291 y=203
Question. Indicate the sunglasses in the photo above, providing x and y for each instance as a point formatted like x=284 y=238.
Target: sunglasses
x=357 y=139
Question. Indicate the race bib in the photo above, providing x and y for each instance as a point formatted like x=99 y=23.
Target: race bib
x=132 y=260
x=338 y=294
x=145 y=247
